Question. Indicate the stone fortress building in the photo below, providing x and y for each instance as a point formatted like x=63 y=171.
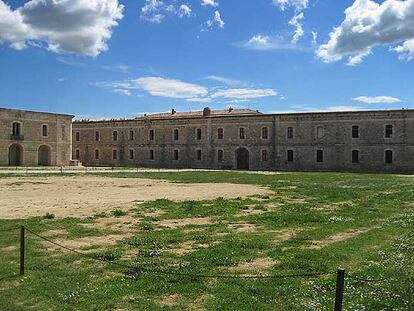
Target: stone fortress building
x=30 y=138
x=246 y=139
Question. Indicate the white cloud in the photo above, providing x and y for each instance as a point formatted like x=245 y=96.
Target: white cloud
x=122 y=92
x=358 y=58
x=212 y=3
x=244 y=93
x=117 y=68
x=184 y=10
x=377 y=99
x=406 y=50
x=224 y=80
x=314 y=37
x=154 y=11
x=76 y=26
x=170 y=88
x=296 y=22
x=216 y=20
x=266 y=43
x=368 y=24
x=297 y=5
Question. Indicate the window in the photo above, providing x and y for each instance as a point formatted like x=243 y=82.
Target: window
x=44 y=130
x=289 y=132
x=176 y=134
x=115 y=135
x=97 y=136
x=131 y=154
x=151 y=135
x=355 y=156
x=242 y=133
x=199 y=155
x=176 y=155
x=388 y=157
x=264 y=155
x=220 y=133
x=388 y=131
x=115 y=154
x=355 y=131
x=319 y=156
x=320 y=132
x=151 y=155
x=16 y=129
x=220 y=155
x=290 y=155
x=199 y=134
x=265 y=133
x=77 y=154
x=96 y=154
x=77 y=136
x=131 y=135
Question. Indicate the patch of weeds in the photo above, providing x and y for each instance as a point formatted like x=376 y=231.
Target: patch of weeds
x=109 y=255
x=100 y=215
x=149 y=253
x=119 y=213
x=49 y=216
x=146 y=226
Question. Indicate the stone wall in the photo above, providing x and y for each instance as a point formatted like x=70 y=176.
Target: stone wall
x=57 y=140
x=329 y=132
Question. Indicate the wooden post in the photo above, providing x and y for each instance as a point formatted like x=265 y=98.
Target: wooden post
x=22 y=237
x=340 y=282
x=61 y=169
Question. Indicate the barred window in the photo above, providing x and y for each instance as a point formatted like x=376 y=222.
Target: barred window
x=388 y=131
x=355 y=131
x=242 y=133
x=289 y=132
x=220 y=133
x=265 y=133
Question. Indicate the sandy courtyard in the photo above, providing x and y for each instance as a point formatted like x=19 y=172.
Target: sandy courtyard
x=81 y=196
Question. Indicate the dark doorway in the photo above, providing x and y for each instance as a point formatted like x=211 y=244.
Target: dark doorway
x=242 y=158
x=15 y=155
x=43 y=157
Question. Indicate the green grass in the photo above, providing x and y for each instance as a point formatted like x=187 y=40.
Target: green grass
x=304 y=226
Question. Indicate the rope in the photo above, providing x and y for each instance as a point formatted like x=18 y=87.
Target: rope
x=363 y=280
x=163 y=272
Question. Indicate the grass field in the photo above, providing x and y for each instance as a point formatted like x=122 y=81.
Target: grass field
x=311 y=223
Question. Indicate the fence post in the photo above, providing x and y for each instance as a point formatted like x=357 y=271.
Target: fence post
x=340 y=282
x=61 y=169
x=22 y=238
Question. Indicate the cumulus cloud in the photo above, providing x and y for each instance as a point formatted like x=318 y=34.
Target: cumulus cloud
x=296 y=22
x=212 y=3
x=368 y=24
x=216 y=20
x=72 y=26
x=377 y=99
x=154 y=11
x=170 y=88
x=297 y=5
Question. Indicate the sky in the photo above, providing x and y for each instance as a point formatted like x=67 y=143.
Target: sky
x=118 y=59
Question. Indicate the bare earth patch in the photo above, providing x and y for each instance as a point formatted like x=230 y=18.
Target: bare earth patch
x=169 y=301
x=340 y=237
x=243 y=227
x=189 y=247
x=175 y=223
x=82 y=196
x=257 y=265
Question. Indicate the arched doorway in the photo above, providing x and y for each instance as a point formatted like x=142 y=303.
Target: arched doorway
x=15 y=155
x=242 y=159
x=43 y=156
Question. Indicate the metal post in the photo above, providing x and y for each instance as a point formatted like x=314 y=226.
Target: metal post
x=22 y=237
x=340 y=282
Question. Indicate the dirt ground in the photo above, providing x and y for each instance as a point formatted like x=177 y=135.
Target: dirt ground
x=82 y=196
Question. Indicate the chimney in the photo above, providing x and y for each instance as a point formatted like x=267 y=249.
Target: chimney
x=173 y=111
x=230 y=109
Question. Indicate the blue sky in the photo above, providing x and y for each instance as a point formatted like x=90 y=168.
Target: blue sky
x=109 y=58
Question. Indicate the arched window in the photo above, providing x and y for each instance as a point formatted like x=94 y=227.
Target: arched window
x=265 y=133
x=290 y=155
x=388 y=157
x=199 y=134
x=44 y=130
x=77 y=154
x=97 y=136
x=289 y=132
x=355 y=156
x=115 y=135
x=77 y=136
x=96 y=154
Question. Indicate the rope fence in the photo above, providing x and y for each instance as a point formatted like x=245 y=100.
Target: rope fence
x=340 y=274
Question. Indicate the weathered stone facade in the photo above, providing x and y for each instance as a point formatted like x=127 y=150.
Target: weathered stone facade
x=331 y=141
x=34 y=138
